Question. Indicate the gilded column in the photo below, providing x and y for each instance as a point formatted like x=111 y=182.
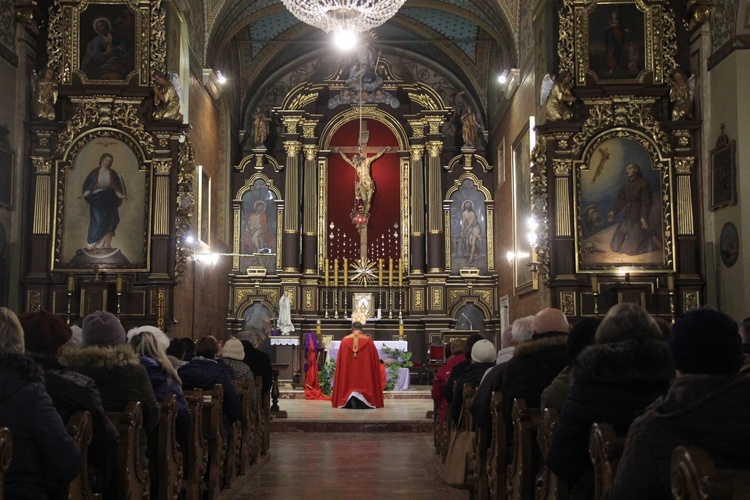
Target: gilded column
x=310 y=212
x=290 y=238
x=417 y=208
x=435 y=233
x=43 y=195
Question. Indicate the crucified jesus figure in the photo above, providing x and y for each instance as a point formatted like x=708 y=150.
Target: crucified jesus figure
x=364 y=186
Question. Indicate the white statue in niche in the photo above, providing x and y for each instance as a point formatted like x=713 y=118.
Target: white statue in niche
x=284 y=323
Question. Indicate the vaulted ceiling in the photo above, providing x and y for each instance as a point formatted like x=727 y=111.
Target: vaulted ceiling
x=469 y=41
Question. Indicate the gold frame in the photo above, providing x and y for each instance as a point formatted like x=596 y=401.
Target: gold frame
x=204 y=212
x=724 y=159
x=237 y=219
x=523 y=281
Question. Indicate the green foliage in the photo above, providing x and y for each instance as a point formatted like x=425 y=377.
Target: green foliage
x=325 y=377
x=403 y=360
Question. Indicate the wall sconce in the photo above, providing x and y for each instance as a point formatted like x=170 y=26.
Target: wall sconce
x=532 y=267
x=510 y=79
x=220 y=78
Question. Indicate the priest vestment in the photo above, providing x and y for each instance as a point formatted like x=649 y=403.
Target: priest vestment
x=357 y=373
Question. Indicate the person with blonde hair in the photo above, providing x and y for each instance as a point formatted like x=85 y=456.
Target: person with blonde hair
x=161 y=372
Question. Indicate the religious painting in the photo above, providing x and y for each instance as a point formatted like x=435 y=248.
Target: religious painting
x=204 y=206
x=258 y=226
x=470 y=317
x=729 y=244
x=257 y=323
x=622 y=218
x=103 y=209
x=616 y=41
x=107 y=48
x=6 y=178
x=468 y=228
x=723 y=174
x=362 y=307
x=524 y=279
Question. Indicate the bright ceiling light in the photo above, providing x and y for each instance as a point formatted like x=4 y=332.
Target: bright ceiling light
x=345 y=40
x=221 y=78
x=503 y=77
x=333 y=15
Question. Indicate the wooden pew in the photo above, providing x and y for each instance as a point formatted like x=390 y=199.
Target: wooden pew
x=695 y=477
x=213 y=427
x=605 y=449
x=167 y=469
x=256 y=446
x=232 y=461
x=497 y=454
x=133 y=479
x=196 y=455
x=522 y=469
x=467 y=424
x=244 y=390
x=436 y=426
x=552 y=488
x=265 y=415
x=480 y=446
x=445 y=435
x=6 y=456
x=80 y=426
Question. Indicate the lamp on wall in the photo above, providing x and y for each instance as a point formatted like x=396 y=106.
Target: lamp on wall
x=341 y=15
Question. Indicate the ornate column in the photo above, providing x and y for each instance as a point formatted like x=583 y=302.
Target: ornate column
x=310 y=212
x=417 y=209
x=290 y=238
x=435 y=231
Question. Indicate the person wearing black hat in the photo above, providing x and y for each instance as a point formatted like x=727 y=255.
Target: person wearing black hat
x=707 y=405
x=46 y=334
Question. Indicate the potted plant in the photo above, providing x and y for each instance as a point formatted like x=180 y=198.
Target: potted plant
x=395 y=359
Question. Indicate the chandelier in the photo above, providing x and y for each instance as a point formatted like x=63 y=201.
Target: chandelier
x=339 y=15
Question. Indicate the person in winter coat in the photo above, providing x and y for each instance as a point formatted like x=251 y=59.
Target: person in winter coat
x=707 y=405
x=258 y=361
x=233 y=353
x=459 y=369
x=455 y=353
x=117 y=371
x=203 y=372
x=162 y=374
x=483 y=357
x=46 y=334
x=614 y=381
x=45 y=457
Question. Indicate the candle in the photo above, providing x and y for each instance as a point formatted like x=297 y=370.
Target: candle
x=380 y=272
x=400 y=272
x=390 y=272
x=118 y=284
x=71 y=283
x=595 y=283
x=346 y=271
x=401 y=328
x=336 y=272
x=317 y=328
x=670 y=282
x=325 y=265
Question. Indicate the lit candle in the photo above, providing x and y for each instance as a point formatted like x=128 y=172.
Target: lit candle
x=670 y=282
x=400 y=272
x=390 y=272
x=380 y=272
x=346 y=271
x=118 y=283
x=336 y=272
x=71 y=283
x=595 y=283
x=401 y=328
x=325 y=265
x=317 y=328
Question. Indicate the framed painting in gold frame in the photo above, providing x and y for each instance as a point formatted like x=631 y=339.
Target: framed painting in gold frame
x=524 y=279
x=102 y=215
x=204 y=206
x=623 y=205
x=723 y=174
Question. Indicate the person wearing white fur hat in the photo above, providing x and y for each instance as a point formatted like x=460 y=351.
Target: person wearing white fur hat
x=483 y=357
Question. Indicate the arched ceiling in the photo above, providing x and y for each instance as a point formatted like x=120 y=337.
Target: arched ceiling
x=468 y=39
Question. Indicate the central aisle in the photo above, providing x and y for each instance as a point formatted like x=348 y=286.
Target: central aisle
x=350 y=465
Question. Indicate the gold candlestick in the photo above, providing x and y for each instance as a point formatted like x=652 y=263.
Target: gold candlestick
x=325 y=266
x=380 y=272
x=390 y=272
x=336 y=272
x=346 y=271
x=400 y=272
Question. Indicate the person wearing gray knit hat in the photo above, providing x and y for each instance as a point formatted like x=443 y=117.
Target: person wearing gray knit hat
x=483 y=352
x=102 y=328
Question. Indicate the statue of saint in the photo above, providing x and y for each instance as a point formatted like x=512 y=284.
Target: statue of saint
x=260 y=127
x=364 y=186
x=166 y=98
x=681 y=95
x=44 y=95
x=560 y=98
x=284 y=323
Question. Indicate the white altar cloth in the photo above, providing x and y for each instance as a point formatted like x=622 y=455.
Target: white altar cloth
x=284 y=340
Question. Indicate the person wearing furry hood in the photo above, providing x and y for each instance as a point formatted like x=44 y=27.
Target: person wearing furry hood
x=115 y=368
x=45 y=457
x=614 y=381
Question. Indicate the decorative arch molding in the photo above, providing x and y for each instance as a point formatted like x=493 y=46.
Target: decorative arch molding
x=473 y=178
x=365 y=111
x=249 y=184
x=474 y=300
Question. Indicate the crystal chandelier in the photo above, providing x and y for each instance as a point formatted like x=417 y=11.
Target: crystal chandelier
x=339 y=15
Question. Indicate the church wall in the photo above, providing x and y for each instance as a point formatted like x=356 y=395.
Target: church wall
x=201 y=299
x=729 y=80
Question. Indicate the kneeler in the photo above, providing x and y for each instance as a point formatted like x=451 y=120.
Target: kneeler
x=312 y=385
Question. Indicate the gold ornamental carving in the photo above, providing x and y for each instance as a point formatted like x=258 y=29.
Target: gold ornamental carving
x=600 y=115
x=310 y=152
x=185 y=204
x=162 y=166
x=424 y=100
x=42 y=166
x=690 y=300
x=242 y=293
x=290 y=124
x=292 y=148
x=568 y=303
x=417 y=127
x=539 y=207
x=454 y=295
x=562 y=168
x=641 y=114
x=35 y=301
x=417 y=152
x=308 y=128
x=300 y=101
x=435 y=125
x=418 y=299
x=437 y=298
x=308 y=303
x=566 y=42
x=434 y=148
x=485 y=296
x=684 y=165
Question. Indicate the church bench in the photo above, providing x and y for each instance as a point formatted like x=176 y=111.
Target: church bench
x=605 y=449
x=694 y=476
x=467 y=424
x=167 y=469
x=523 y=466
x=80 y=426
x=245 y=456
x=479 y=461
x=256 y=445
x=552 y=488
x=233 y=450
x=133 y=479
x=213 y=427
x=196 y=455
x=436 y=425
x=6 y=456
x=497 y=453
x=265 y=416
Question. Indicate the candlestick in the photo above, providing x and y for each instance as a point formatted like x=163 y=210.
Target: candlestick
x=71 y=283
x=400 y=272
x=380 y=272
x=317 y=328
x=118 y=284
x=594 y=283
x=670 y=282
x=346 y=272
x=390 y=272
x=325 y=265
x=336 y=272
x=400 y=328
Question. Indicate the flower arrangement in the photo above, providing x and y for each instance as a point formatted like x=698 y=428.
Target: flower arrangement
x=325 y=377
x=399 y=358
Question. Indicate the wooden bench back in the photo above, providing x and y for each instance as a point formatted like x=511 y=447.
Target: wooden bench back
x=245 y=390
x=605 y=449
x=497 y=454
x=552 y=488
x=168 y=469
x=522 y=469
x=80 y=426
x=213 y=428
x=133 y=481
x=695 y=477
x=196 y=455
x=6 y=456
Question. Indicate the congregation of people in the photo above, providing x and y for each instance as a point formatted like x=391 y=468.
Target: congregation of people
x=49 y=372
x=550 y=387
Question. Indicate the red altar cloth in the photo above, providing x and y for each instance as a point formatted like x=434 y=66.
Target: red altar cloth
x=357 y=372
